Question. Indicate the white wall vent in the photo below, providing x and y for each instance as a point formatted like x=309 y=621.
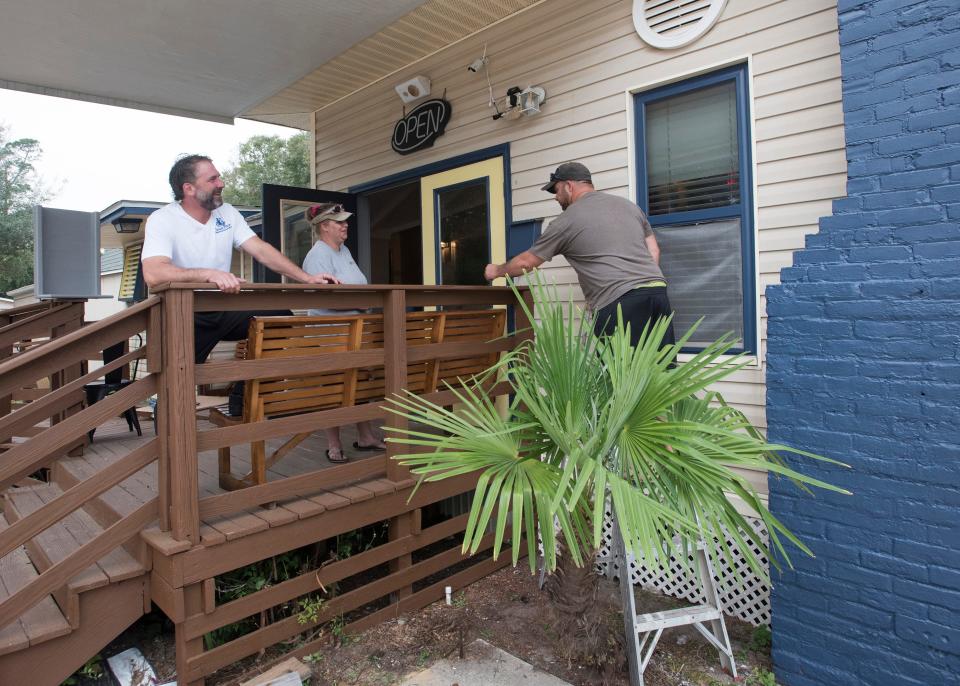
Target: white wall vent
x=668 y=24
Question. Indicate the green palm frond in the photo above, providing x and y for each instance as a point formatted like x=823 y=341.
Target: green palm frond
x=597 y=423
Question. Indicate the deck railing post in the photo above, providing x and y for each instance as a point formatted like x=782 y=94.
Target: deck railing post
x=6 y=402
x=73 y=371
x=395 y=371
x=188 y=648
x=522 y=323
x=177 y=420
x=154 y=359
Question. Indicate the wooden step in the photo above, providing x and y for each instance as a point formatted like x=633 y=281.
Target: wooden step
x=114 y=504
x=107 y=612
x=43 y=622
x=62 y=539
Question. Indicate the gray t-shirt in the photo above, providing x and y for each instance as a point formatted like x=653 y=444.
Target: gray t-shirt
x=323 y=258
x=602 y=237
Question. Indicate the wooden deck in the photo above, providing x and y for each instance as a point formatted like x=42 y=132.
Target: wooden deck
x=93 y=534
x=114 y=441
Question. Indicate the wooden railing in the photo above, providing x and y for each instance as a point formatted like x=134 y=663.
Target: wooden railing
x=350 y=606
x=167 y=319
x=177 y=400
x=57 y=424
x=25 y=327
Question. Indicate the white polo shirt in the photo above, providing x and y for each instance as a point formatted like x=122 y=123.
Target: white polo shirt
x=173 y=233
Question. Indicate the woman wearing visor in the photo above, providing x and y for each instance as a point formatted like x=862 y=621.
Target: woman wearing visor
x=329 y=255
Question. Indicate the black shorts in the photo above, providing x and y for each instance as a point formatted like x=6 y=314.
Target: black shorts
x=640 y=306
x=209 y=328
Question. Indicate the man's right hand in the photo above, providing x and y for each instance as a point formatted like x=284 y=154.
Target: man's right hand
x=225 y=281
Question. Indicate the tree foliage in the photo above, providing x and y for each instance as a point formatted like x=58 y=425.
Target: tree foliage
x=20 y=190
x=267 y=159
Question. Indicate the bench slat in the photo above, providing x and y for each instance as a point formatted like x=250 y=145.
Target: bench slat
x=306 y=336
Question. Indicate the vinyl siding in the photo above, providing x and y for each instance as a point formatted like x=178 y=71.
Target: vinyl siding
x=587 y=57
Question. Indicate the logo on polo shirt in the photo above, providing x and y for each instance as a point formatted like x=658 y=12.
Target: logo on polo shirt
x=221 y=225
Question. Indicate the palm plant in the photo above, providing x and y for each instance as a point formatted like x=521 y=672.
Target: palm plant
x=597 y=423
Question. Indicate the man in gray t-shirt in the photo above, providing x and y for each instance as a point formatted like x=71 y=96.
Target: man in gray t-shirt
x=609 y=243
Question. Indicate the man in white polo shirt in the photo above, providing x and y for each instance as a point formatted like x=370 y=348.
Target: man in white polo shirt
x=192 y=240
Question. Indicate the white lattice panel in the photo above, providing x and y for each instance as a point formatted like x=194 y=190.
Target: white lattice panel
x=742 y=593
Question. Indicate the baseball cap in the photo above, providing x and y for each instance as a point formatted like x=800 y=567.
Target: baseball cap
x=568 y=171
x=328 y=210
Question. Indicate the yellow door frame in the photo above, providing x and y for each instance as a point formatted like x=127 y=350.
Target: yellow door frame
x=492 y=170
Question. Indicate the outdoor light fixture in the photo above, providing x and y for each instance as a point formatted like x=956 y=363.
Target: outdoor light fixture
x=530 y=99
x=413 y=89
x=519 y=102
x=127 y=224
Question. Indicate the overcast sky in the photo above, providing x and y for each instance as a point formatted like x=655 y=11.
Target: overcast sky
x=95 y=155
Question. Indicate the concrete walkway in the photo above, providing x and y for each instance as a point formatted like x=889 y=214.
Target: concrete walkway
x=484 y=665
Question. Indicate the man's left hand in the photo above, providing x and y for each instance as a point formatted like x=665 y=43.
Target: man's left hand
x=322 y=278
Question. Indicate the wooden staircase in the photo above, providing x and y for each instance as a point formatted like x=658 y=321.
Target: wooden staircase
x=59 y=634
x=134 y=521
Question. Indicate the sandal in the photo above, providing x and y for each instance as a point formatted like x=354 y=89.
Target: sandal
x=337 y=456
x=378 y=448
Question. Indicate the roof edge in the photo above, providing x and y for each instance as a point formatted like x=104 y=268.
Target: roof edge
x=114 y=102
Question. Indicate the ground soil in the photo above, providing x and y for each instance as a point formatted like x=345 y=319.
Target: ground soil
x=508 y=610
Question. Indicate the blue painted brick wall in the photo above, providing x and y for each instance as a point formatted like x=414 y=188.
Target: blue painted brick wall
x=864 y=366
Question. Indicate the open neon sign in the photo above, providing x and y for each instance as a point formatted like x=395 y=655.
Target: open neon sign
x=420 y=127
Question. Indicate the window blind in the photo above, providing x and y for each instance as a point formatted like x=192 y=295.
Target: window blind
x=704 y=270
x=692 y=152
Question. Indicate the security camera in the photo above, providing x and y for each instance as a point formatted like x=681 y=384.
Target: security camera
x=477 y=64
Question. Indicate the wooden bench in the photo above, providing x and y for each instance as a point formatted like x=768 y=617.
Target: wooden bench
x=287 y=337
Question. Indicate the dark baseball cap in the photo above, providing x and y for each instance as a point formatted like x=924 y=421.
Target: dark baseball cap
x=568 y=171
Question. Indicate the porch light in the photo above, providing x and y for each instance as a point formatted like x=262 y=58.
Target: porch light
x=127 y=224
x=530 y=99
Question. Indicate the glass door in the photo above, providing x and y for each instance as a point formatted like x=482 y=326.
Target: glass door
x=463 y=223
x=286 y=228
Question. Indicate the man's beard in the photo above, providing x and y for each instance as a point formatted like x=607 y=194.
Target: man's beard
x=209 y=201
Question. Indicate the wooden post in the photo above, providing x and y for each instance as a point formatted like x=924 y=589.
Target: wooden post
x=154 y=339
x=521 y=320
x=178 y=422
x=395 y=372
x=395 y=369
x=188 y=648
x=73 y=372
x=155 y=366
x=6 y=402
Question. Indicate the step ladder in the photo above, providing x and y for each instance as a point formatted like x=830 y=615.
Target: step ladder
x=644 y=631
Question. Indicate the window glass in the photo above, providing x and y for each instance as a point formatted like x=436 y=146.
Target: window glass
x=464 y=233
x=702 y=264
x=296 y=233
x=692 y=152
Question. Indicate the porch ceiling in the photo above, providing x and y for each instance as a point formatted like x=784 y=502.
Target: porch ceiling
x=430 y=27
x=221 y=59
x=214 y=59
